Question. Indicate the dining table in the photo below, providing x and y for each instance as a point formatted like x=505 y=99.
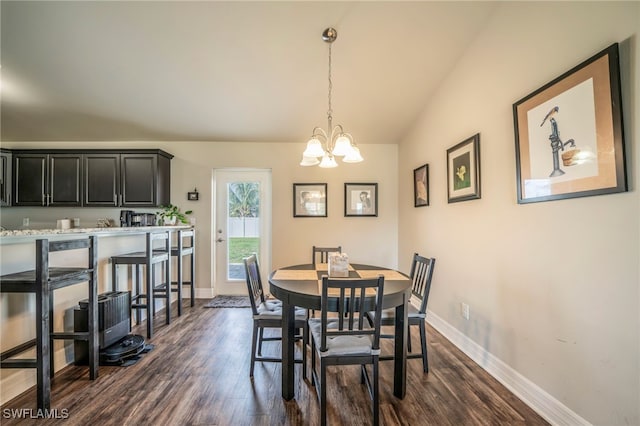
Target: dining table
x=301 y=285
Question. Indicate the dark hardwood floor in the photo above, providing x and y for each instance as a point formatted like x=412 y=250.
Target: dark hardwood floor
x=198 y=374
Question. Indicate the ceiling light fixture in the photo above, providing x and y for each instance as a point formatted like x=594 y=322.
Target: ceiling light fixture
x=336 y=143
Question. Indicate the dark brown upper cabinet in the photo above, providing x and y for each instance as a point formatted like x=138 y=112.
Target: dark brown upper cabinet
x=91 y=178
x=5 y=177
x=127 y=179
x=42 y=179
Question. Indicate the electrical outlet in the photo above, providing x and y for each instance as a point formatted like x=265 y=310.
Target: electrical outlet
x=25 y=222
x=464 y=310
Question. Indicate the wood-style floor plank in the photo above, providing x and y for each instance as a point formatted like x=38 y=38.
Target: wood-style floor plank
x=198 y=374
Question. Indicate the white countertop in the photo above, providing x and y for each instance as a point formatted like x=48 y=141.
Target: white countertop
x=21 y=235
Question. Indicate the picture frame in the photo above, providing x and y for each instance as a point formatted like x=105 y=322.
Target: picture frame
x=463 y=170
x=569 y=134
x=421 y=186
x=360 y=199
x=309 y=200
x=192 y=196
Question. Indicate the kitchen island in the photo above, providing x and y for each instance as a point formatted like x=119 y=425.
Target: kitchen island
x=17 y=313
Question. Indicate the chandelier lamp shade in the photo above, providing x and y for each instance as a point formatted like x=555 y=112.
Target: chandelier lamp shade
x=325 y=146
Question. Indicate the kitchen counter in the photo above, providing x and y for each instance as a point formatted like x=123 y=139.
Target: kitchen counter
x=22 y=235
x=17 y=315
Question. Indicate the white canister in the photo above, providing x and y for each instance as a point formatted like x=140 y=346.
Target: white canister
x=63 y=224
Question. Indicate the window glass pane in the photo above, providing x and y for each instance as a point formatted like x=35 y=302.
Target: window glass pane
x=243 y=225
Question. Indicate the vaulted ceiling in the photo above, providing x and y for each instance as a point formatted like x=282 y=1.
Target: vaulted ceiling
x=223 y=71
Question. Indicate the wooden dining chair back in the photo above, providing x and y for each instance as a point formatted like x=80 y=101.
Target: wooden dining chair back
x=347 y=338
x=267 y=313
x=421 y=275
x=321 y=254
x=254 y=283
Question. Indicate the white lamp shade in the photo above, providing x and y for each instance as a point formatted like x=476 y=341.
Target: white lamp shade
x=353 y=156
x=309 y=161
x=343 y=146
x=328 y=162
x=314 y=148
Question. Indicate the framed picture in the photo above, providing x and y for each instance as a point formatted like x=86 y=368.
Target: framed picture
x=568 y=134
x=361 y=199
x=192 y=196
x=309 y=200
x=463 y=170
x=421 y=186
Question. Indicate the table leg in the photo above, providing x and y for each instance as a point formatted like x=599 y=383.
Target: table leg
x=288 y=340
x=400 y=351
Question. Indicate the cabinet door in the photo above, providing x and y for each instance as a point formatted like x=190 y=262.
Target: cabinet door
x=30 y=174
x=65 y=180
x=5 y=178
x=102 y=180
x=139 y=179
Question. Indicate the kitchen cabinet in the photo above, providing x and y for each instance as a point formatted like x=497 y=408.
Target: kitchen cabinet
x=127 y=178
x=5 y=177
x=91 y=178
x=47 y=179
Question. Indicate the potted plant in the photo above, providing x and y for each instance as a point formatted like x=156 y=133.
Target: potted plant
x=171 y=214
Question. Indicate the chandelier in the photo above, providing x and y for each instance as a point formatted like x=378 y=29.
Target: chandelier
x=334 y=142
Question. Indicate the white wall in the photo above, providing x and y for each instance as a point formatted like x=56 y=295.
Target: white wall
x=553 y=287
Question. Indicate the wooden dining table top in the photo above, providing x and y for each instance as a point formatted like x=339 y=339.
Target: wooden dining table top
x=302 y=284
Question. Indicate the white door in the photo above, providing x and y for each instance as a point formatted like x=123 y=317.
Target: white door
x=242 y=226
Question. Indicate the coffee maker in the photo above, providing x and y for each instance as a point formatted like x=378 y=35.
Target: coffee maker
x=126 y=217
x=143 y=219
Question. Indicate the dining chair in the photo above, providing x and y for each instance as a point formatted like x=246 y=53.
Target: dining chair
x=421 y=274
x=267 y=313
x=346 y=338
x=323 y=253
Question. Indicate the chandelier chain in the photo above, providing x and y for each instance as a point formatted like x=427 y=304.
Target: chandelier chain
x=329 y=111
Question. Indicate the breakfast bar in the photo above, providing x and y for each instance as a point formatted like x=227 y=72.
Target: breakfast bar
x=29 y=312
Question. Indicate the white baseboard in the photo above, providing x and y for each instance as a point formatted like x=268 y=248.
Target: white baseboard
x=531 y=394
x=204 y=293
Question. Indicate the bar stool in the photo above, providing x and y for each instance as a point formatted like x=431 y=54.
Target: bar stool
x=181 y=250
x=43 y=281
x=153 y=255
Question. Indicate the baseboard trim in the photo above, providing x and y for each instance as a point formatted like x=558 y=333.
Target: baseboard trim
x=531 y=394
x=204 y=293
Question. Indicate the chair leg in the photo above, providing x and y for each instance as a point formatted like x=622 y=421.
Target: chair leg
x=260 y=337
x=376 y=394
x=192 y=282
x=313 y=362
x=150 y=301
x=179 y=282
x=323 y=393
x=305 y=342
x=167 y=301
x=423 y=343
x=253 y=347
x=138 y=272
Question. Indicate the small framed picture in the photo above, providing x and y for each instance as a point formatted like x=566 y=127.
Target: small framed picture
x=421 y=186
x=463 y=170
x=361 y=199
x=192 y=196
x=309 y=200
